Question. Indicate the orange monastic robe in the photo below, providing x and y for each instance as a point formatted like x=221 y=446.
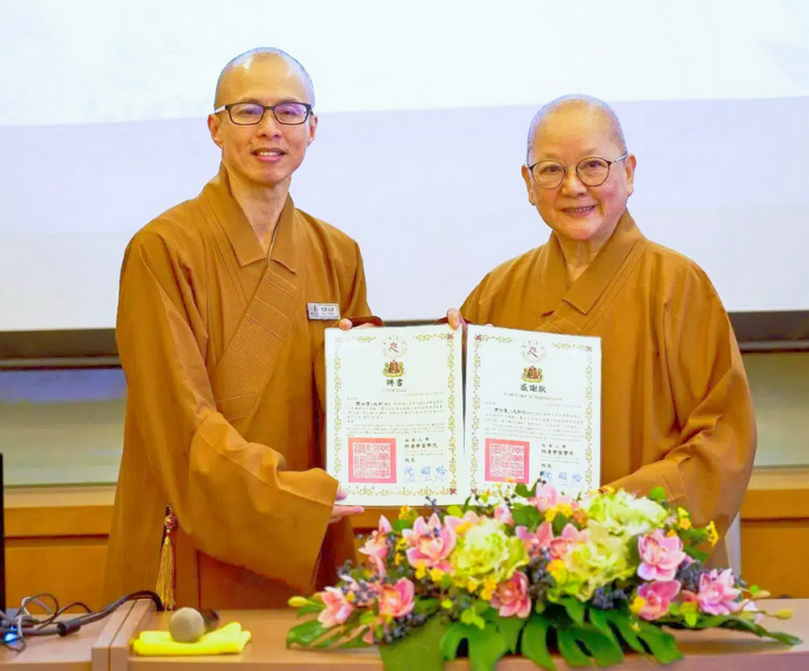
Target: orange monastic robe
x=676 y=407
x=225 y=404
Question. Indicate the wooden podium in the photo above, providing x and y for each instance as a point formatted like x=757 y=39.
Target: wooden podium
x=105 y=646
x=704 y=651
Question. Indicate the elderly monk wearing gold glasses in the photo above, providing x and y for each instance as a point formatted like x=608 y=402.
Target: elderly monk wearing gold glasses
x=676 y=408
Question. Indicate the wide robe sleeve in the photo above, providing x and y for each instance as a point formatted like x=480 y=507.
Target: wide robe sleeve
x=709 y=470
x=234 y=498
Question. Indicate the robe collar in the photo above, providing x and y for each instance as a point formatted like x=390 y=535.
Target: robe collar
x=240 y=233
x=592 y=283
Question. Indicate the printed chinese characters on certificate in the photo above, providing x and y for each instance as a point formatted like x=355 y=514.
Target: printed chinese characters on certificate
x=396 y=432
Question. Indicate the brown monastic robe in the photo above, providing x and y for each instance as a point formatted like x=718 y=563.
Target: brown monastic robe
x=676 y=407
x=225 y=404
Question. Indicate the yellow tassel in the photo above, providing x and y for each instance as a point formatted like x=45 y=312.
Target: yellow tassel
x=165 y=572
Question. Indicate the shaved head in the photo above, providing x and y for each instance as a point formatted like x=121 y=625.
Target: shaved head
x=258 y=55
x=579 y=102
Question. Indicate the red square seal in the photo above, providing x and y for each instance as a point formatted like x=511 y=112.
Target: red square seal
x=372 y=460
x=507 y=460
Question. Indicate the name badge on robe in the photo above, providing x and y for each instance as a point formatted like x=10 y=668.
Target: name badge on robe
x=323 y=311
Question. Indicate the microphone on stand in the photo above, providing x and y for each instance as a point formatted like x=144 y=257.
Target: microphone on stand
x=188 y=625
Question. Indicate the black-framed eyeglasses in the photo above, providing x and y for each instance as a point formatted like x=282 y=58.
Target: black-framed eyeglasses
x=592 y=171
x=250 y=114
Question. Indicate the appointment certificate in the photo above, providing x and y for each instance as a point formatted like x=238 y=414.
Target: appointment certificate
x=395 y=414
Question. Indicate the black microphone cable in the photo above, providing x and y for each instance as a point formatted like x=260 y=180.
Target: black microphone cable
x=14 y=630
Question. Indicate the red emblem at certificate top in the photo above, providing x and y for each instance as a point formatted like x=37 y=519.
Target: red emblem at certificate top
x=507 y=461
x=372 y=460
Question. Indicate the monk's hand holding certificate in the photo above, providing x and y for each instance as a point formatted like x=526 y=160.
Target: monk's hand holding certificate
x=397 y=433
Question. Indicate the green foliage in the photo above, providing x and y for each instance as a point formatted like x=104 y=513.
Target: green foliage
x=523 y=490
x=306 y=633
x=486 y=646
x=526 y=516
x=658 y=494
x=535 y=642
x=311 y=607
x=420 y=650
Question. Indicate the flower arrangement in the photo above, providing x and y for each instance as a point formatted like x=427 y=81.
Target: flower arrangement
x=530 y=571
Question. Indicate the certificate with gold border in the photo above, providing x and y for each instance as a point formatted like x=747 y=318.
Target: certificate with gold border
x=533 y=409
x=394 y=416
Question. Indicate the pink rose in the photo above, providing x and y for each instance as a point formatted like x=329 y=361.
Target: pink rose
x=511 y=596
x=536 y=541
x=376 y=547
x=658 y=597
x=717 y=593
x=337 y=607
x=503 y=513
x=397 y=600
x=560 y=547
x=660 y=556
x=430 y=543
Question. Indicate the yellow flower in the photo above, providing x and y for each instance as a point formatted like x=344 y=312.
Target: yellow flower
x=397 y=559
x=404 y=511
x=606 y=489
x=298 y=601
x=472 y=585
x=489 y=586
x=671 y=532
x=421 y=570
x=713 y=536
x=350 y=597
x=446 y=604
x=436 y=574
x=682 y=512
x=637 y=605
x=550 y=514
x=685 y=523
x=558 y=570
x=462 y=528
x=565 y=509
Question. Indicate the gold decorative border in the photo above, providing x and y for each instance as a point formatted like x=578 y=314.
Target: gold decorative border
x=452 y=486
x=588 y=413
x=480 y=338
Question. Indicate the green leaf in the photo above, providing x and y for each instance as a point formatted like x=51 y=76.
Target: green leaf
x=486 y=646
x=663 y=646
x=312 y=607
x=691 y=618
x=357 y=641
x=692 y=552
x=599 y=619
x=740 y=624
x=400 y=525
x=604 y=649
x=510 y=627
x=522 y=490
x=570 y=650
x=427 y=607
x=535 y=643
x=658 y=494
x=621 y=622
x=526 y=516
x=421 y=649
x=575 y=608
x=455 y=511
x=306 y=633
x=331 y=640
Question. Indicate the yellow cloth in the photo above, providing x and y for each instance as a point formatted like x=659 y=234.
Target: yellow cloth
x=229 y=639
